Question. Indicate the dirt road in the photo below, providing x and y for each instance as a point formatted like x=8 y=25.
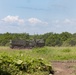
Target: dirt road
x=64 y=67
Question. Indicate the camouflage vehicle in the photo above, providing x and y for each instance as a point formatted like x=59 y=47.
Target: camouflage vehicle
x=39 y=42
x=17 y=43
x=27 y=43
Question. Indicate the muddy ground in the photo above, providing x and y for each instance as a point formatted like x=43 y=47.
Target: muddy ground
x=64 y=67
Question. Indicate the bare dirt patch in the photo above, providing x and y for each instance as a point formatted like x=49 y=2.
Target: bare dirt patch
x=64 y=67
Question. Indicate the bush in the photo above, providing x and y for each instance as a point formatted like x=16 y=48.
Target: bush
x=11 y=66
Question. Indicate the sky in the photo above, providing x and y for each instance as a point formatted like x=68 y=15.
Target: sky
x=37 y=16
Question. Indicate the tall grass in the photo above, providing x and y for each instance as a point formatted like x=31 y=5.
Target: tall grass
x=47 y=53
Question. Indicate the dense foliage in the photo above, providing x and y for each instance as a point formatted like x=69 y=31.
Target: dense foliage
x=18 y=65
x=51 y=39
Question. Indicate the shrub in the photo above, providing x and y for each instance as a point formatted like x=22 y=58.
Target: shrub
x=11 y=66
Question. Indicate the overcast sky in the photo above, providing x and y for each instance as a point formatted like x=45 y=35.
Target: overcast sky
x=37 y=16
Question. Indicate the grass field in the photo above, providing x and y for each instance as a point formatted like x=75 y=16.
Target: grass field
x=12 y=56
x=47 y=53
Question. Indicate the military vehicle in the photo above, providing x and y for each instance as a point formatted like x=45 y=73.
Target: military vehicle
x=27 y=43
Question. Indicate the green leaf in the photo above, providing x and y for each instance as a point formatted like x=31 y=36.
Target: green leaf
x=19 y=62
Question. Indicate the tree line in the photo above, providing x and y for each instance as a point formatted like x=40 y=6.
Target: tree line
x=51 y=39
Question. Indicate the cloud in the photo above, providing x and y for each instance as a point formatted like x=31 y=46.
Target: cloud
x=65 y=22
x=15 y=24
x=36 y=9
x=59 y=6
x=36 y=21
x=62 y=25
x=34 y=25
x=70 y=21
x=48 y=8
x=13 y=19
x=16 y=19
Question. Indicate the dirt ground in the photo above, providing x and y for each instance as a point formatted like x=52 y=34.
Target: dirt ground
x=64 y=67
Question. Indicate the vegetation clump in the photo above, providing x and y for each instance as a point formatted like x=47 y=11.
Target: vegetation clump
x=10 y=65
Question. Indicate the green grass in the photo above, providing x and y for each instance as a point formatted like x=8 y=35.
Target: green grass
x=47 y=53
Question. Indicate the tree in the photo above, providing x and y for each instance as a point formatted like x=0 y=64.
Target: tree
x=54 y=40
x=65 y=35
